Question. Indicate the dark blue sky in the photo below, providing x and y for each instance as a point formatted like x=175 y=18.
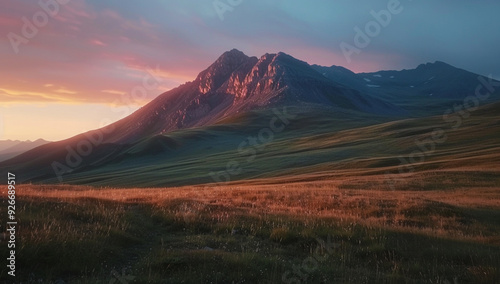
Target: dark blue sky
x=462 y=33
x=89 y=53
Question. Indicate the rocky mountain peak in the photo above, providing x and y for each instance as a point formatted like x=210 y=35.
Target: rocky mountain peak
x=265 y=75
x=220 y=71
x=435 y=65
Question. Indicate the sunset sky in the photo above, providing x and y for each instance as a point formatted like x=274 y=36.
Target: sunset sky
x=77 y=71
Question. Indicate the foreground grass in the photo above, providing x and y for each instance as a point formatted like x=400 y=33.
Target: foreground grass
x=321 y=232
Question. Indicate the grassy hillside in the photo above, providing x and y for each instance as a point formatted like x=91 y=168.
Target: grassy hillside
x=309 y=147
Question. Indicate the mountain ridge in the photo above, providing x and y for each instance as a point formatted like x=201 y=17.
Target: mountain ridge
x=12 y=148
x=235 y=83
x=247 y=89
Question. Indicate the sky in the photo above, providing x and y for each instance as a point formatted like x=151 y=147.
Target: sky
x=70 y=66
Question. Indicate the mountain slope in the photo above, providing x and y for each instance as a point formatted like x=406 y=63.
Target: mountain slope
x=13 y=148
x=340 y=145
x=238 y=83
x=5 y=144
x=426 y=90
x=188 y=132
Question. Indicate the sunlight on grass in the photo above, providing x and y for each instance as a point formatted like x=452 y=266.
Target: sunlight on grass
x=255 y=233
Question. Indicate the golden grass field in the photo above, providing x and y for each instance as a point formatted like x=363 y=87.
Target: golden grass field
x=333 y=199
x=257 y=231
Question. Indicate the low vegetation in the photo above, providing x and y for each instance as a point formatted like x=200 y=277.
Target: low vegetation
x=317 y=232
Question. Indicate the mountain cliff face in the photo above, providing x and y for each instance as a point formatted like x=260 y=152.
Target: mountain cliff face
x=236 y=83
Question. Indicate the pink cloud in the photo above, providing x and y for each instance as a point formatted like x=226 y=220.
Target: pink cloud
x=86 y=51
x=97 y=42
x=82 y=45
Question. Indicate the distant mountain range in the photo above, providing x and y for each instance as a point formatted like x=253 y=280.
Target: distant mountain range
x=12 y=148
x=203 y=122
x=426 y=90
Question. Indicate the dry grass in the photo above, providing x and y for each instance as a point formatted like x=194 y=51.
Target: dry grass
x=437 y=213
x=267 y=226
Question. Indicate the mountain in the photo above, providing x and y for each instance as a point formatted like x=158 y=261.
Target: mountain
x=12 y=148
x=237 y=83
x=313 y=146
x=191 y=132
x=426 y=90
x=5 y=144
